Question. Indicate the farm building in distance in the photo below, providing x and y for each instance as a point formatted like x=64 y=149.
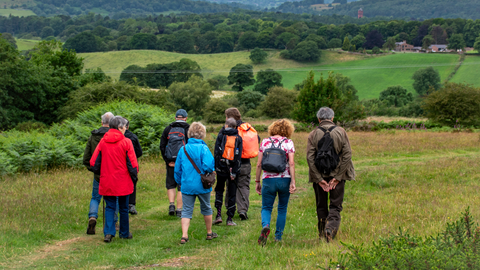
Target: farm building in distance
x=404 y=47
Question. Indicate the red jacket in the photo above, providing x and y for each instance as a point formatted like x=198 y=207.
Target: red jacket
x=115 y=161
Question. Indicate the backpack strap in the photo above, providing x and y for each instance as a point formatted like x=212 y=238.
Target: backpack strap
x=191 y=160
x=322 y=129
x=332 y=128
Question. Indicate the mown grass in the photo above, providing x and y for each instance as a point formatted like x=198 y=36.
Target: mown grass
x=468 y=71
x=414 y=180
x=16 y=12
x=26 y=44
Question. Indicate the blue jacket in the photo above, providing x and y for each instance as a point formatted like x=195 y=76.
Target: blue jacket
x=185 y=174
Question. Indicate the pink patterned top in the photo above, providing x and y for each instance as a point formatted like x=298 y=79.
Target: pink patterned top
x=287 y=146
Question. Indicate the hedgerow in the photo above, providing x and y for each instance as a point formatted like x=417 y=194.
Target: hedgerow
x=63 y=144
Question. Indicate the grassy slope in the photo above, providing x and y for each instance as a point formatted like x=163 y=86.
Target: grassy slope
x=16 y=12
x=370 y=76
x=26 y=44
x=414 y=180
x=468 y=72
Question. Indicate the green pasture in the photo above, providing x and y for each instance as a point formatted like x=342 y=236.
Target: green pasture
x=26 y=44
x=469 y=71
x=16 y=12
x=417 y=181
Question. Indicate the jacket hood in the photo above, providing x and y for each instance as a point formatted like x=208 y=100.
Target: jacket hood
x=181 y=124
x=113 y=136
x=230 y=132
x=195 y=141
x=100 y=132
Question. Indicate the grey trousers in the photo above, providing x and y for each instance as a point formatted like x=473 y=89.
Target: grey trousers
x=243 y=188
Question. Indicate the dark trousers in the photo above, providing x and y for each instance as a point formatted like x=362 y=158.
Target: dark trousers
x=230 y=195
x=110 y=212
x=329 y=216
x=133 y=196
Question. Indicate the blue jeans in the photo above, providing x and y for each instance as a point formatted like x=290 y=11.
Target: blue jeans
x=110 y=213
x=189 y=203
x=95 y=202
x=271 y=187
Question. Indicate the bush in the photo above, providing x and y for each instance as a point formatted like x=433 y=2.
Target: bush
x=279 y=102
x=250 y=99
x=93 y=94
x=454 y=104
x=215 y=111
x=191 y=95
x=30 y=126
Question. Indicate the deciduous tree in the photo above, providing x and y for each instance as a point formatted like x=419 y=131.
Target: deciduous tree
x=266 y=80
x=424 y=79
x=241 y=76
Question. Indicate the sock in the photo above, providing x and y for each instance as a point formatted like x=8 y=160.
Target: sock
x=229 y=219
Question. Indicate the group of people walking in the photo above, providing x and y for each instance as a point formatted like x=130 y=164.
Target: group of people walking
x=112 y=152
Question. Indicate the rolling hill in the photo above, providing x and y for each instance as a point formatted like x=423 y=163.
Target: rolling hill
x=369 y=74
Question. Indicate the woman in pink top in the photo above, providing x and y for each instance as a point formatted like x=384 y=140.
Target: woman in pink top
x=281 y=184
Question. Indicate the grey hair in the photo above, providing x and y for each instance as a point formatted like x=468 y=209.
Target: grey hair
x=231 y=122
x=325 y=113
x=106 y=118
x=197 y=130
x=117 y=122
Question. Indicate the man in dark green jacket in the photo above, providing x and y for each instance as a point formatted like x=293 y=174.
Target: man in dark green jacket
x=92 y=143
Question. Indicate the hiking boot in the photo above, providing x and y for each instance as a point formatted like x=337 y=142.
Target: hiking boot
x=243 y=215
x=262 y=240
x=231 y=223
x=130 y=236
x=178 y=213
x=171 y=210
x=218 y=220
x=132 y=210
x=108 y=238
x=329 y=235
x=91 y=225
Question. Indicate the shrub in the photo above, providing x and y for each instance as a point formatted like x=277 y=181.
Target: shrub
x=215 y=111
x=250 y=99
x=396 y=96
x=191 y=95
x=454 y=103
x=31 y=125
x=279 y=102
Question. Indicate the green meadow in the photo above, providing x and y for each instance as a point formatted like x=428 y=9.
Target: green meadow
x=369 y=74
x=413 y=180
x=16 y=12
x=469 y=71
x=26 y=44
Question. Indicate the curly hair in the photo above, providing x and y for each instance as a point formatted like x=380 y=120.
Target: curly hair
x=197 y=130
x=282 y=127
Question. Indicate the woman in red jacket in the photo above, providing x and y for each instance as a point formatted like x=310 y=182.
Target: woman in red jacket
x=115 y=161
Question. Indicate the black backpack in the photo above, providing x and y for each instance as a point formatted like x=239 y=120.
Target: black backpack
x=327 y=158
x=176 y=139
x=274 y=158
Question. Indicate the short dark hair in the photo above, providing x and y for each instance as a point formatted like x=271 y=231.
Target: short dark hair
x=233 y=113
x=231 y=123
x=117 y=122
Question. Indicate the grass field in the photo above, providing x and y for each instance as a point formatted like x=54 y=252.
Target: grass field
x=468 y=72
x=369 y=74
x=26 y=44
x=418 y=181
x=16 y=12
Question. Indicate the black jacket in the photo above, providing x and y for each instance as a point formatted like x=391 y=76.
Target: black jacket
x=92 y=143
x=135 y=142
x=164 y=138
x=218 y=152
x=239 y=122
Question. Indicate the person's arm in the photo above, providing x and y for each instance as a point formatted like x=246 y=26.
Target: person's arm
x=87 y=154
x=137 y=147
x=178 y=166
x=314 y=174
x=164 y=142
x=208 y=162
x=96 y=159
x=291 y=163
x=258 y=174
x=132 y=163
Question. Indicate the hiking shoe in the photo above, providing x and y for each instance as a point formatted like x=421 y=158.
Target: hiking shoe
x=243 y=216
x=130 y=236
x=328 y=235
x=262 y=240
x=171 y=210
x=178 y=213
x=231 y=223
x=108 y=238
x=212 y=235
x=91 y=225
x=132 y=210
x=218 y=220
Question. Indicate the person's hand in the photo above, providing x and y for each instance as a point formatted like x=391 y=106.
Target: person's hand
x=333 y=183
x=293 y=188
x=171 y=164
x=258 y=188
x=232 y=177
x=324 y=185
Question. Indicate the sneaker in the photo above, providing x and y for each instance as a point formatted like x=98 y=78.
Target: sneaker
x=231 y=223
x=130 y=236
x=171 y=210
x=243 y=216
x=91 y=225
x=108 y=238
x=218 y=220
x=178 y=213
x=262 y=240
x=132 y=210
